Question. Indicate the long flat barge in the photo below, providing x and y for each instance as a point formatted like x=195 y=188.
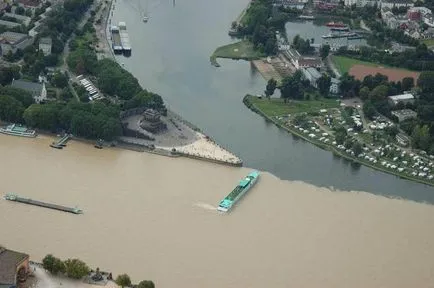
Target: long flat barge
x=243 y=186
x=125 y=39
x=13 y=197
x=116 y=39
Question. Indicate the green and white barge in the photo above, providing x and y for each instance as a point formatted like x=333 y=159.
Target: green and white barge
x=243 y=186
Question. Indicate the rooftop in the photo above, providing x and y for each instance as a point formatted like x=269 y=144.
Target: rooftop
x=406 y=96
x=45 y=40
x=18 y=17
x=9 y=23
x=313 y=72
x=28 y=86
x=404 y=112
x=8 y=262
x=12 y=37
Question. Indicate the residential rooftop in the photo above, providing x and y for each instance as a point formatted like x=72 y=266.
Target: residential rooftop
x=9 y=260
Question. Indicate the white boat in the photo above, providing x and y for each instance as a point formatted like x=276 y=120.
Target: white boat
x=18 y=130
x=145 y=19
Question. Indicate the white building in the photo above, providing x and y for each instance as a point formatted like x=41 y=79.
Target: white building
x=396 y=3
x=403 y=98
x=361 y=3
x=45 y=45
x=334 y=87
x=312 y=75
x=404 y=114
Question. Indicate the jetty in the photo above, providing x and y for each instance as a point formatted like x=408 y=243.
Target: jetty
x=16 y=198
x=62 y=142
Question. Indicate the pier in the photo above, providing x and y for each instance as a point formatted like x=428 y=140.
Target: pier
x=62 y=142
x=13 y=197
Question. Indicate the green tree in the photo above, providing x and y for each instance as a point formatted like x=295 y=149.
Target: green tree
x=357 y=148
x=146 y=284
x=123 y=280
x=20 y=10
x=369 y=110
x=426 y=81
x=11 y=110
x=59 y=79
x=324 y=51
x=421 y=137
x=53 y=265
x=76 y=268
x=364 y=93
x=379 y=93
x=324 y=83
x=271 y=86
x=340 y=135
x=407 y=83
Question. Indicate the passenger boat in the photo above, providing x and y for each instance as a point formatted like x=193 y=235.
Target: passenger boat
x=243 y=186
x=18 y=130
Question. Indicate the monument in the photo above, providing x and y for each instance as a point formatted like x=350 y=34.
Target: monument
x=151 y=121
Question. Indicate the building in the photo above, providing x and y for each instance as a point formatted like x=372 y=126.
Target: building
x=403 y=98
x=33 y=4
x=414 y=15
x=293 y=4
x=312 y=75
x=404 y=114
x=11 y=41
x=361 y=3
x=396 y=3
x=305 y=62
x=38 y=90
x=152 y=122
x=14 y=268
x=9 y=24
x=21 y=18
x=334 y=86
x=45 y=45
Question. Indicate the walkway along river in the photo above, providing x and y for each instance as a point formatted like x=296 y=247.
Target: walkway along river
x=170 y=55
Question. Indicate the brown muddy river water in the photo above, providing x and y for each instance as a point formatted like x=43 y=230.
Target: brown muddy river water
x=154 y=218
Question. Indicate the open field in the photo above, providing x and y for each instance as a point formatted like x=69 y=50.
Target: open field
x=394 y=74
x=239 y=50
x=344 y=64
x=428 y=42
x=277 y=107
x=360 y=69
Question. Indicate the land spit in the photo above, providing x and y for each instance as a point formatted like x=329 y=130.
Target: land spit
x=155 y=218
x=180 y=138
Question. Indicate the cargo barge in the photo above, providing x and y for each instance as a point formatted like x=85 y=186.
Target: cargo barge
x=116 y=39
x=236 y=194
x=125 y=38
x=13 y=197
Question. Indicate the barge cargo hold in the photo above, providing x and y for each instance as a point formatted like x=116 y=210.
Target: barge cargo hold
x=13 y=197
x=236 y=194
x=125 y=39
x=116 y=39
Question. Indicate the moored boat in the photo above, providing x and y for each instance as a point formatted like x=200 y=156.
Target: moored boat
x=243 y=186
x=18 y=130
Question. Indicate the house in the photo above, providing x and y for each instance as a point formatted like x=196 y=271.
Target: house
x=305 y=62
x=33 y=4
x=312 y=75
x=361 y=3
x=414 y=15
x=38 y=90
x=20 y=18
x=11 y=41
x=403 y=98
x=14 y=268
x=45 y=45
x=404 y=114
x=334 y=86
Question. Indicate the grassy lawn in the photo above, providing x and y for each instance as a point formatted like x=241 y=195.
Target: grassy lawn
x=428 y=42
x=239 y=50
x=344 y=64
x=276 y=107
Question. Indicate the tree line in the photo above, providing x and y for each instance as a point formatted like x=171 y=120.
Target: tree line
x=77 y=269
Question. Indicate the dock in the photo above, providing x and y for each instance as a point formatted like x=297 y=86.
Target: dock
x=16 y=198
x=62 y=142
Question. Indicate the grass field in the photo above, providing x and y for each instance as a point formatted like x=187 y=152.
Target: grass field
x=276 y=107
x=239 y=50
x=428 y=42
x=344 y=64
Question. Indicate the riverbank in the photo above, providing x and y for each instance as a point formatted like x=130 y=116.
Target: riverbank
x=276 y=118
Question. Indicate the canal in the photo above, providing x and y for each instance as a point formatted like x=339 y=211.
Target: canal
x=170 y=56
